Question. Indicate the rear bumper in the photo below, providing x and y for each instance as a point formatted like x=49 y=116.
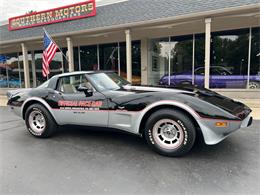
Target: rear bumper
x=16 y=110
x=213 y=135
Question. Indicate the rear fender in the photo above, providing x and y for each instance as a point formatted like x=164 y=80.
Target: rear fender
x=39 y=100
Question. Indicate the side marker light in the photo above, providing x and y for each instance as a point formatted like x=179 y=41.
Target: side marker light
x=221 y=124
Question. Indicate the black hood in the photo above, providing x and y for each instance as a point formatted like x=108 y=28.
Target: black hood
x=234 y=107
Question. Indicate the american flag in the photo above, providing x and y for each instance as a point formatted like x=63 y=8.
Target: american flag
x=49 y=51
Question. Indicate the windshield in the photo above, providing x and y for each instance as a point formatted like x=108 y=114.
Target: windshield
x=107 y=81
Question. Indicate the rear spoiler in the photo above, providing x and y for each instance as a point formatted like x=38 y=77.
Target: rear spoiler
x=11 y=93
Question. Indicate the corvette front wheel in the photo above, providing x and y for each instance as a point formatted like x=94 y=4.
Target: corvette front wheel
x=170 y=132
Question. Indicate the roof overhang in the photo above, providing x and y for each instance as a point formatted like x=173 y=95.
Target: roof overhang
x=206 y=14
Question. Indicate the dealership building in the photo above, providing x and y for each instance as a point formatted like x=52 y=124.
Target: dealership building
x=214 y=43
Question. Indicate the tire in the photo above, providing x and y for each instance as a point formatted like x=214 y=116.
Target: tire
x=185 y=83
x=170 y=132
x=254 y=85
x=39 y=121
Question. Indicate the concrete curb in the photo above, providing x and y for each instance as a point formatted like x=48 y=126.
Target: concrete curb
x=3 y=100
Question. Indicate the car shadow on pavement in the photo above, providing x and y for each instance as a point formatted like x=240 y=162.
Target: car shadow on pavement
x=99 y=138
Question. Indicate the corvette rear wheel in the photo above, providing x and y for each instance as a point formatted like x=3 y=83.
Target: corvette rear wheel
x=170 y=132
x=39 y=122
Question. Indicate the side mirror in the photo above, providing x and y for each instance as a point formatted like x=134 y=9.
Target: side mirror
x=88 y=92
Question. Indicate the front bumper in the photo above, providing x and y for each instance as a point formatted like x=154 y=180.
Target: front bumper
x=247 y=122
x=213 y=135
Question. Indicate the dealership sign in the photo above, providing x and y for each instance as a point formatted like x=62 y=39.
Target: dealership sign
x=70 y=12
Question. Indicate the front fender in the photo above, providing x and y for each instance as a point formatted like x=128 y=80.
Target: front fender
x=211 y=134
x=164 y=103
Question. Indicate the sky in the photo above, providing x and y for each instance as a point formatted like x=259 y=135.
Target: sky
x=11 y=8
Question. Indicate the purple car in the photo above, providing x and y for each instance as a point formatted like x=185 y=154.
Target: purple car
x=220 y=77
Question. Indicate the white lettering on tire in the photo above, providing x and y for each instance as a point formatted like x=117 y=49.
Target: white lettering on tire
x=150 y=136
x=185 y=132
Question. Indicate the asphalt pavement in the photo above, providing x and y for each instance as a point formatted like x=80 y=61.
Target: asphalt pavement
x=96 y=161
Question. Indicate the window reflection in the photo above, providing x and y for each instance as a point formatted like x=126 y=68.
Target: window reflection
x=181 y=60
x=254 y=79
x=65 y=63
x=174 y=55
x=9 y=71
x=112 y=56
x=55 y=66
x=229 y=59
x=88 y=57
x=30 y=68
x=199 y=71
x=76 y=58
x=136 y=61
x=159 y=61
x=20 y=59
x=109 y=56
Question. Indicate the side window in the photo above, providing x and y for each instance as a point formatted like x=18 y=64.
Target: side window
x=214 y=71
x=70 y=84
x=220 y=71
x=200 y=71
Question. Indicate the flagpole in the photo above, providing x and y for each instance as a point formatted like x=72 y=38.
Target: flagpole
x=56 y=44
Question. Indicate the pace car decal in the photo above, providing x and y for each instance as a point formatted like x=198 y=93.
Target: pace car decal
x=82 y=105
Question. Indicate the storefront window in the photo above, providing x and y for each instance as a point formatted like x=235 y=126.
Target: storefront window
x=20 y=58
x=88 y=57
x=254 y=79
x=181 y=50
x=108 y=54
x=199 y=71
x=55 y=66
x=10 y=71
x=122 y=65
x=181 y=60
x=65 y=63
x=229 y=59
x=3 y=72
x=171 y=61
x=76 y=58
x=30 y=68
x=136 y=61
x=159 y=61
x=38 y=68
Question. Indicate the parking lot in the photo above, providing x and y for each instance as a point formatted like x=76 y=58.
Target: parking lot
x=94 y=161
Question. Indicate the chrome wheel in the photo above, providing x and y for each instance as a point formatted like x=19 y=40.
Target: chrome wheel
x=37 y=121
x=253 y=85
x=168 y=134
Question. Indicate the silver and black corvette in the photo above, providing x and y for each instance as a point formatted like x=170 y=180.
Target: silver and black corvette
x=168 y=118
